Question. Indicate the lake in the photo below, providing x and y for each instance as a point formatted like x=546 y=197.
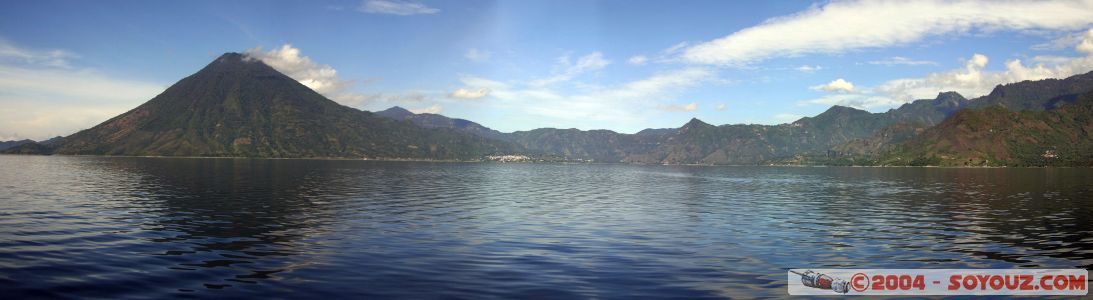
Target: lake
x=100 y=227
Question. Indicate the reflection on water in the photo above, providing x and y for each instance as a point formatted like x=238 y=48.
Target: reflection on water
x=155 y=227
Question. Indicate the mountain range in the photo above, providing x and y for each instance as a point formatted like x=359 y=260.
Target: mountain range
x=4 y=145
x=240 y=107
x=839 y=136
x=996 y=136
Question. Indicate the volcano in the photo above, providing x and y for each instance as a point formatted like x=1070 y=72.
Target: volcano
x=240 y=107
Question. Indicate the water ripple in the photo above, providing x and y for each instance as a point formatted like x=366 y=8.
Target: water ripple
x=89 y=227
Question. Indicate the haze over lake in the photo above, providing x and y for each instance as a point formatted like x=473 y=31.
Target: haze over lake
x=154 y=227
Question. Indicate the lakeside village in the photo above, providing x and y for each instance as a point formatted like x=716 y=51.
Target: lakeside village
x=525 y=158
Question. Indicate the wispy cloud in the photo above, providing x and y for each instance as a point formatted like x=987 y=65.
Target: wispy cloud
x=464 y=93
x=45 y=96
x=850 y=25
x=476 y=55
x=1064 y=41
x=972 y=80
x=626 y=105
x=11 y=53
x=396 y=7
x=899 y=60
x=592 y=62
x=668 y=55
x=679 y=107
x=809 y=69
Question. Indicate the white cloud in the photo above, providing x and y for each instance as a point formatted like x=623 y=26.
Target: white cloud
x=1065 y=41
x=42 y=95
x=973 y=81
x=322 y=78
x=850 y=25
x=476 y=55
x=464 y=93
x=899 y=60
x=396 y=7
x=721 y=107
x=478 y=87
x=674 y=50
x=970 y=81
x=287 y=59
x=668 y=55
x=480 y=82
x=809 y=69
x=627 y=105
x=657 y=84
x=10 y=53
x=1051 y=59
x=679 y=107
x=434 y=109
x=592 y=62
x=1086 y=46
x=837 y=85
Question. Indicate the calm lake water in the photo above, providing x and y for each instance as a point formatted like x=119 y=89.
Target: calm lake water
x=84 y=227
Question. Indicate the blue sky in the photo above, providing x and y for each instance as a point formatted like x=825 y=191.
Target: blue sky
x=519 y=65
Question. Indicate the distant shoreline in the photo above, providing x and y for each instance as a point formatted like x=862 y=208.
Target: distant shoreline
x=541 y=162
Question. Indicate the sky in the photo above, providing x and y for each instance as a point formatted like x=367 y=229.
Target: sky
x=519 y=65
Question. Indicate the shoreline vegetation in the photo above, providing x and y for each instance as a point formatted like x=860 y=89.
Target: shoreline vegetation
x=239 y=107
x=555 y=162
